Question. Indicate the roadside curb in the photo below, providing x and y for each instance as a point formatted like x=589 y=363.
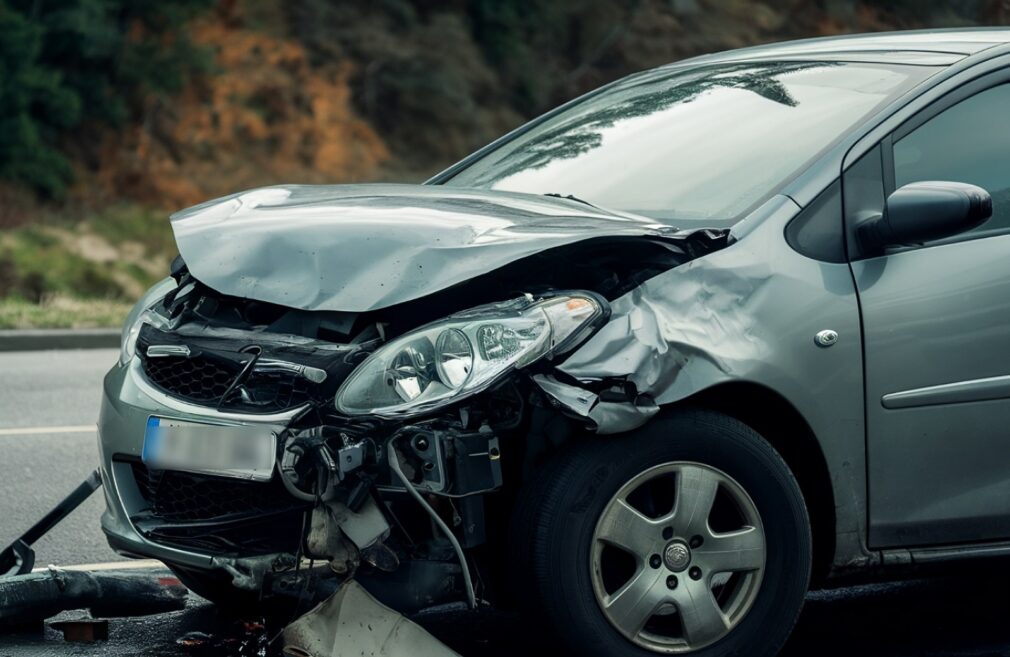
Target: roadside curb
x=38 y=339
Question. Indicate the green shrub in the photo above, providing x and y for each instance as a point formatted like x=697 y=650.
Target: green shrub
x=33 y=265
x=65 y=62
x=62 y=312
x=128 y=222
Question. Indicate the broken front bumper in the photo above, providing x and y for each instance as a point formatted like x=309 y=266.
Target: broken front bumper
x=183 y=519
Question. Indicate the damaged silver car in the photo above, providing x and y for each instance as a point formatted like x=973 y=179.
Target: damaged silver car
x=646 y=367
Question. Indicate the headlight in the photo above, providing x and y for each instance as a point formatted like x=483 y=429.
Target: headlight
x=142 y=314
x=466 y=353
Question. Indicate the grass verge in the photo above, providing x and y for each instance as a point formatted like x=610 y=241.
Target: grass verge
x=62 y=312
x=83 y=272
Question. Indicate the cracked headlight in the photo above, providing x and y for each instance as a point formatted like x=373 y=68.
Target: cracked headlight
x=142 y=314
x=466 y=353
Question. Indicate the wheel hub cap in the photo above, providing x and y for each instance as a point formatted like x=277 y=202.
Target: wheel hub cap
x=675 y=580
x=677 y=556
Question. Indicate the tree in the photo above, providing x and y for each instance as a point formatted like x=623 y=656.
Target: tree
x=35 y=106
x=67 y=62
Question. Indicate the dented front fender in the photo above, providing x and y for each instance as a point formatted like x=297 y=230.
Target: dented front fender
x=745 y=313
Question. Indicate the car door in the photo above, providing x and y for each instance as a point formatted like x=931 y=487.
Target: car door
x=936 y=324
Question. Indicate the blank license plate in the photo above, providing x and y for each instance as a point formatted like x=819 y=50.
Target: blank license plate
x=242 y=452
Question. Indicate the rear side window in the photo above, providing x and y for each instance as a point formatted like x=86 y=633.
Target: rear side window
x=969 y=143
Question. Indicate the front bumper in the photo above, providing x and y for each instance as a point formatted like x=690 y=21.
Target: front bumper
x=127 y=403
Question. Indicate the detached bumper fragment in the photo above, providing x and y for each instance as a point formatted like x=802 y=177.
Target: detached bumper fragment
x=352 y=622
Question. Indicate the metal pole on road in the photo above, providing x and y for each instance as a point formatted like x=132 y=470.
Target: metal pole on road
x=18 y=558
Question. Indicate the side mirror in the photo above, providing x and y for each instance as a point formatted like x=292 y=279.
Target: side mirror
x=925 y=211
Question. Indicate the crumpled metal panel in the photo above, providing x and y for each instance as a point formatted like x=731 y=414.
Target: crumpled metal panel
x=695 y=325
x=351 y=623
x=676 y=334
x=681 y=332
x=746 y=313
x=604 y=417
x=357 y=248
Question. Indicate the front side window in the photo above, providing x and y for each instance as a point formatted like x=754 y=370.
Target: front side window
x=969 y=143
x=700 y=145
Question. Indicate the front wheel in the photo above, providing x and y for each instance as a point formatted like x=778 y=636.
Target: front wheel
x=689 y=536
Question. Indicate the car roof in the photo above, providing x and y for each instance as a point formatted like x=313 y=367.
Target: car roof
x=923 y=47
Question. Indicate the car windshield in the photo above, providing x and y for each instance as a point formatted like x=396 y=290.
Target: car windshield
x=701 y=145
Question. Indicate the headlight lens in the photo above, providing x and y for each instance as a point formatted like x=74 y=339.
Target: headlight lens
x=455 y=357
x=142 y=314
x=466 y=353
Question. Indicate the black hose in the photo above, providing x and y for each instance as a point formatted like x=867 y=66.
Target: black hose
x=37 y=596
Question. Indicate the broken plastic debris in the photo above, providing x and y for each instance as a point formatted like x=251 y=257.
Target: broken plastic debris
x=241 y=639
x=606 y=417
x=194 y=639
x=84 y=630
x=352 y=622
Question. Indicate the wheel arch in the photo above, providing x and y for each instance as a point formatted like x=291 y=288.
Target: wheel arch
x=771 y=415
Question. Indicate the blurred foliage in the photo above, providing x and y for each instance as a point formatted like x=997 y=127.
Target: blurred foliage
x=58 y=311
x=417 y=68
x=124 y=224
x=35 y=106
x=37 y=264
x=439 y=79
x=114 y=111
x=114 y=255
x=64 y=63
x=434 y=78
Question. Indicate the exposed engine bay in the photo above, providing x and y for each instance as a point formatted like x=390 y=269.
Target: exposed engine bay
x=400 y=434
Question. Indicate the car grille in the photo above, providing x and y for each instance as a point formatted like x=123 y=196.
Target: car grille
x=199 y=379
x=205 y=381
x=248 y=373
x=216 y=514
x=179 y=496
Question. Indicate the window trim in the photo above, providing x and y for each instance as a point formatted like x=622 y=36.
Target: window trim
x=944 y=103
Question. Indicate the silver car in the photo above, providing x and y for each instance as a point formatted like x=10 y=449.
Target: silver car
x=648 y=367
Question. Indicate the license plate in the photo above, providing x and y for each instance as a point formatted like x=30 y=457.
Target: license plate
x=239 y=451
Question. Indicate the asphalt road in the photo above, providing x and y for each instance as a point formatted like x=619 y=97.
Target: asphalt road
x=48 y=408
x=946 y=617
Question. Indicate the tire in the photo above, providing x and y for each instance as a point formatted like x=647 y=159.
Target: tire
x=571 y=515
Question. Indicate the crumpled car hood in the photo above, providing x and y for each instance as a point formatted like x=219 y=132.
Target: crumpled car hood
x=358 y=248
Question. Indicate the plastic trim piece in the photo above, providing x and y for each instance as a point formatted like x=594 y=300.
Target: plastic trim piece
x=996 y=387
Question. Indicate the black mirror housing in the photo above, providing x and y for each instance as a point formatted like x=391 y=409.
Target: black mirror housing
x=924 y=211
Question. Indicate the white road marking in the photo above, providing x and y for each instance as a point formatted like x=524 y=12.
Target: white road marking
x=147 y=564
x=34 y=431
x=133 y=564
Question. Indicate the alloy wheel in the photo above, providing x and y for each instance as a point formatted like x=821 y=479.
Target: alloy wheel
x=677 y=557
